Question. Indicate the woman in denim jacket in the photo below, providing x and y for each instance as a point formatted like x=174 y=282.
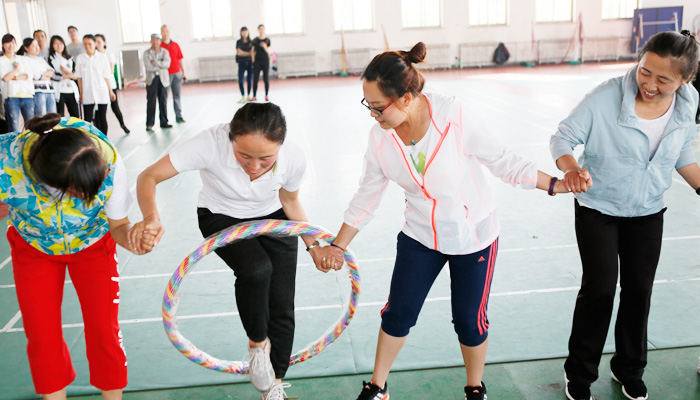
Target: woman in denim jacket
x=636 y=130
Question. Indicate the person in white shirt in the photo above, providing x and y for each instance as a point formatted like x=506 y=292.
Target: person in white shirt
x=92 y=71
x=16 y=87
x=428 y=144
x=67 y=93
x=102 y=48
x=248 y=173
x=41 y=73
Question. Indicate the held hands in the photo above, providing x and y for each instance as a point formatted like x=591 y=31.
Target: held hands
x=327 y=258
x=575 y=181
x=145 y=235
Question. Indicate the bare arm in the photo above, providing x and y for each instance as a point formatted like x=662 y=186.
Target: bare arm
x=182 y=68
x=119 y=228
x=146 y=184
x=80 y=88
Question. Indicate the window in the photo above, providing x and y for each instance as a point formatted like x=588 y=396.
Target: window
x=352 y=15
x=420 y=13
x=616 y=9
x=140 y=19
x=283 y=16
x=488 y=12
x=211 y=19
x=554 y=10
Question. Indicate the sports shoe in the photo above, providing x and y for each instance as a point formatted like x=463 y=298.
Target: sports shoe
x=253 y=99
x=634 y=389
x=267 y=98
x=699 y=367
x=262 y=376
x=242 y=100
x=276 y=392
x=125 y=129
x=149 y=128
x=475 y=392
x=166 y=126
x=180 y=120
x=577 y=391
x=370 y=391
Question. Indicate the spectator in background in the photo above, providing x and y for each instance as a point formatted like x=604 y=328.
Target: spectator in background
x=17 y=87
x=261 y=61
x=40 y=37
x=101 y=44
x=157 y=61
x=176 y=70
x=92 y=71
x=75 y=48
x=64 y=79
x=244 y=58
x=40 y=72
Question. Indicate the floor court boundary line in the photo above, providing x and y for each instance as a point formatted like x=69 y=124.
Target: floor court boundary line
x=8 y=328
x=360 y=262
x=12 y=322
x=7 y=261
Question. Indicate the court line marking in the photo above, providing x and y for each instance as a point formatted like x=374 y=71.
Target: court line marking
x=338 y=306
x=7 y=261
x=11 y=323
x=362 y=261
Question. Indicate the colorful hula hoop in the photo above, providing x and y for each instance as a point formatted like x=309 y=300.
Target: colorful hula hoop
x=228 y=236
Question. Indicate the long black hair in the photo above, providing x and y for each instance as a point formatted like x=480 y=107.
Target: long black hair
x=52 y=52
x=25 y=45
x=66 y=158
x=264 y=119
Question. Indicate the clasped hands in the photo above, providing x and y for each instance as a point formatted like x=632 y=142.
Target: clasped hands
x=145 y=235
x=575 y=181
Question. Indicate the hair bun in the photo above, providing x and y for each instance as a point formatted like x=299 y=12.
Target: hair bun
x=417 y=53
x=43 y=124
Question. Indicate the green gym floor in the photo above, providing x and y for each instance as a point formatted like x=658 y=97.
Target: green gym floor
x=533 y=292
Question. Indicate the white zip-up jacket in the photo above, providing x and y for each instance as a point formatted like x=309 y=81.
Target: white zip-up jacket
x=450 y=208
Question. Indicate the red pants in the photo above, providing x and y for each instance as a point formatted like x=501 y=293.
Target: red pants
x=39 y=280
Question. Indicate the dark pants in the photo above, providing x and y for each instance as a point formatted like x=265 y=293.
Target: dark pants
x=416 y=269
x=100 y=116
x=245 y=66
x=115 y=109
x=601 y=240
x=264 y=66
x=265 y=270
x=156 y=89
x=68 y=100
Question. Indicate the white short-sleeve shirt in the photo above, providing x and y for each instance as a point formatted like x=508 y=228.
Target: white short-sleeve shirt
x=227 y=189
x=93 y=71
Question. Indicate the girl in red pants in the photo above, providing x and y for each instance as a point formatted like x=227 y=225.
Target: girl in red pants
x=68 y=197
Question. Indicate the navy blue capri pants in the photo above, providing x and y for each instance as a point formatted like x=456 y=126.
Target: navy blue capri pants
x=416 y=269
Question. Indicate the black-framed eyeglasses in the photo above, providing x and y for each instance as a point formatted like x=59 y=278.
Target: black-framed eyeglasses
x=379 y=111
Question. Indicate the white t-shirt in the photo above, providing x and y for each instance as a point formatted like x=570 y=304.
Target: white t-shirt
x=38 y=66
x=19 y=87
x=120 y=202
x=227 y=189
x=62 y=85
x=654 y=128
x=93 y=70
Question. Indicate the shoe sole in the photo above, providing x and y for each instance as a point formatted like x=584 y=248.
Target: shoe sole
x=566 y=390
x=624 y=392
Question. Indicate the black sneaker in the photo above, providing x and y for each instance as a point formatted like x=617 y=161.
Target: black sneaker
x=475 y=392
x=577 y=391
x=370 y=391
x=634 y=389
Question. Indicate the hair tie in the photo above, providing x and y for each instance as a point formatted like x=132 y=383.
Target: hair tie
x=47 y=131
x=686 y=32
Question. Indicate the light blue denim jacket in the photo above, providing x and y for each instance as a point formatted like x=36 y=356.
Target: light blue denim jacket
x=616 y=153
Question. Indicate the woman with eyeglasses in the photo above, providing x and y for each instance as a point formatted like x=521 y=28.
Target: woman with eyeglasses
x=428 y=144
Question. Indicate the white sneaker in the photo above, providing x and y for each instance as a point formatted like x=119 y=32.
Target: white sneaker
x=699 y=368
x=276 y=392
x=262 y=376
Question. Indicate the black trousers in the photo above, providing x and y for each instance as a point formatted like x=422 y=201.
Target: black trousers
x=265 y=270
x=153 y=91
x=602 y=239
x=263 y=66
x=68 y=100
x=115 y=109
x=100 y=116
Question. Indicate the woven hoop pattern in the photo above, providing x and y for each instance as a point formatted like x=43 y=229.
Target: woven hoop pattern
x=244 y=231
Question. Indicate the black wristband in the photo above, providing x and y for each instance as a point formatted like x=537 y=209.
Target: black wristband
x=697 y=191
x=335 y=245
x=551 y=186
